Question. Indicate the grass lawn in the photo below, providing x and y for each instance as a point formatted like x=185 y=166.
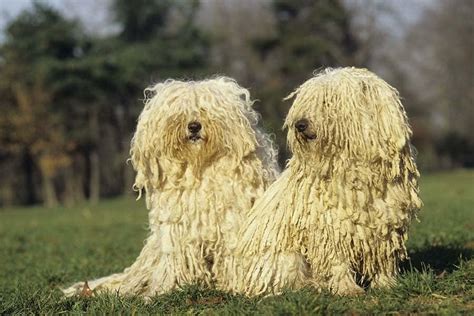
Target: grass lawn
x=41 y=250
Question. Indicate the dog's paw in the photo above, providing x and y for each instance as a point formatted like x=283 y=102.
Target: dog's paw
x=346 y=287
x=348 y=290
x=383 y=281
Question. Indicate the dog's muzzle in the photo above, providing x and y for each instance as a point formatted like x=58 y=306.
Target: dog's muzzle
x=302 y=127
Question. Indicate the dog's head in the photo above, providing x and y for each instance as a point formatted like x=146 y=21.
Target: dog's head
x=193 y=124
x=346 y=113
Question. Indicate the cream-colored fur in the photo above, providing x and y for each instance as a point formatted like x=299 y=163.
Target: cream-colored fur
x=197 y=188
x=342 y=208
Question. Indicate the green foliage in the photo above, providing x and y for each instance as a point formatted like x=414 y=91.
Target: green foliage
x=310 y=35
x=44 y=249
x=39 y=33
x=141 y=19
x=71 y=89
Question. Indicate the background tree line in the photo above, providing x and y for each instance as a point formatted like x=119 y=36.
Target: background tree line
x=70 y=97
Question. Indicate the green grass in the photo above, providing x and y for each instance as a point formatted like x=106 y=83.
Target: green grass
x=41 y=250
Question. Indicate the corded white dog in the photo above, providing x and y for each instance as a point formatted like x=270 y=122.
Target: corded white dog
x=202 y=162
x=340 y=212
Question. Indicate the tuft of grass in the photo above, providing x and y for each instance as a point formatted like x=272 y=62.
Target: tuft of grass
x=42 y=250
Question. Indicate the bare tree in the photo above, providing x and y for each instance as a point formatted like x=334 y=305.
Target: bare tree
x=234 y=26
x=439 y=58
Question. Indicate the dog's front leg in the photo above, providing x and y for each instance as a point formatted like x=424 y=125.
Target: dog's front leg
x=342 y=281
x=383 y=280
x=182 y=260
x=386 y=270
x=163 y=274
x=269 y=273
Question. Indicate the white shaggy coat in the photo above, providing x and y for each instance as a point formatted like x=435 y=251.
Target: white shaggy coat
x=198 y=185
x=340 y=212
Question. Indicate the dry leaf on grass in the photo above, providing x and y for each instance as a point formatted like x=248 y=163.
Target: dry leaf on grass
x=86 y=291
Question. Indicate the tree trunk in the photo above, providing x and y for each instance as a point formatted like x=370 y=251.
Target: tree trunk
x=68 y=195
x=73 y=181
x=78 y=178
x=47 y=170
x=7 y=194
x=49 y=194
x=94 y=179
x=94 y=164
x=122 y=117
x=29 y=180
x=73 y=193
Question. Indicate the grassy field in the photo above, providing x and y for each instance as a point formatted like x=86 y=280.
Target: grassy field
x=42 y=250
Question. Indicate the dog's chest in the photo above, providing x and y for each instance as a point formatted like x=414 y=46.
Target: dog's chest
x=206 y=211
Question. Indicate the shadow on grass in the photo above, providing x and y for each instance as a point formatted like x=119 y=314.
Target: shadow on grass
x=438 y=258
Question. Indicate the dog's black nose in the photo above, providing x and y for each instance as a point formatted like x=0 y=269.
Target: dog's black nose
x=301 y=125
x=194 y=127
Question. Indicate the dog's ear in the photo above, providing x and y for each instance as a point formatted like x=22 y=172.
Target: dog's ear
x=241 y=141
x=247 y=143
x=390 y=117
x=145 y=162
x=390 y=130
